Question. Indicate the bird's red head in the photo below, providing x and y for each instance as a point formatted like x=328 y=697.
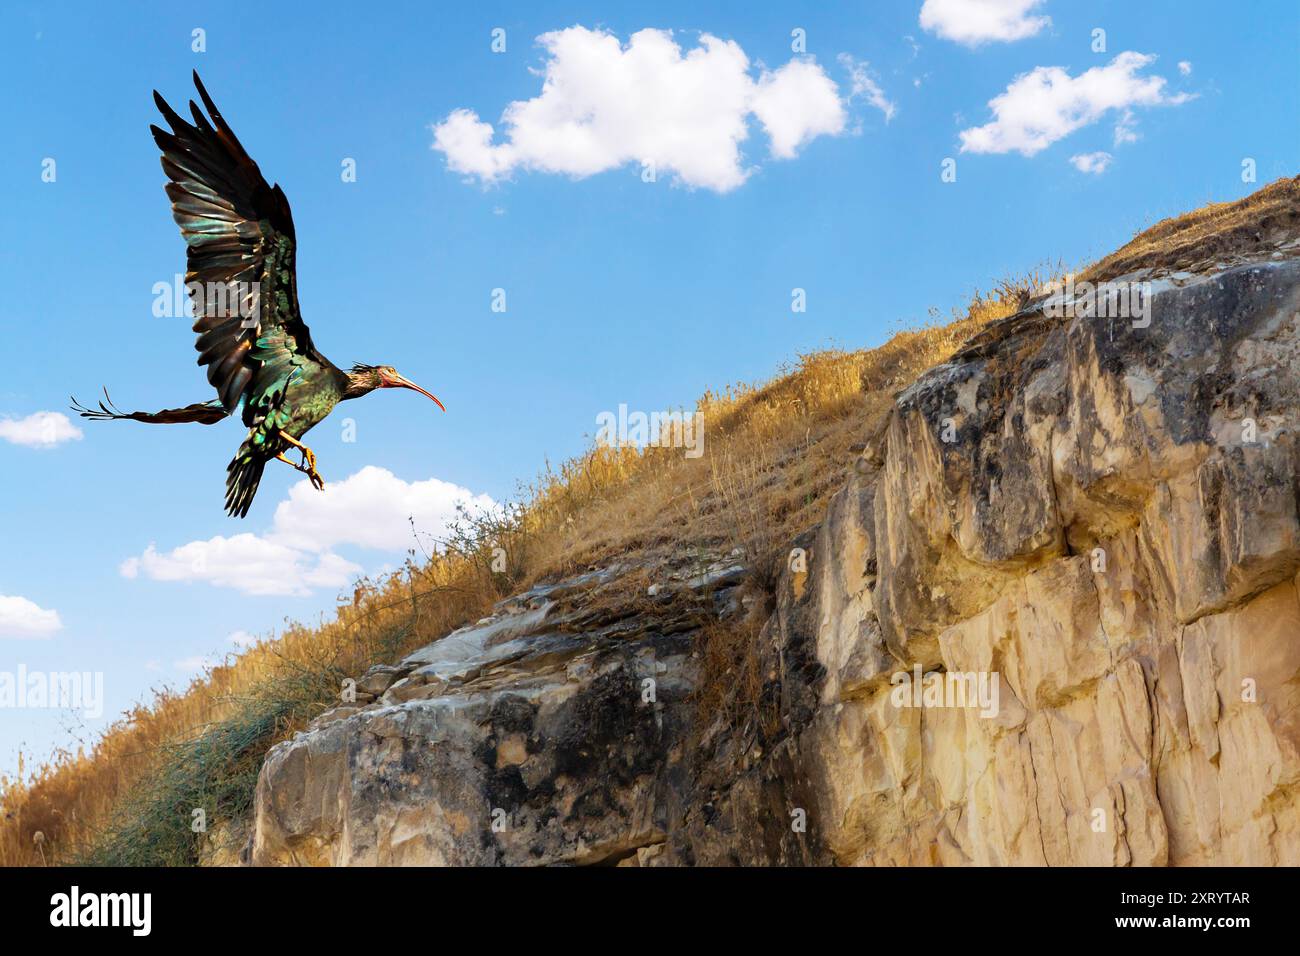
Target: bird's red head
x=389 y=378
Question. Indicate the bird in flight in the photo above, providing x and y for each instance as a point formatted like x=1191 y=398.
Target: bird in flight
x=242 y=280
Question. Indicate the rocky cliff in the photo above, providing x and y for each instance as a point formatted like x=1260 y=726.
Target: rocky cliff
x=1052 y=619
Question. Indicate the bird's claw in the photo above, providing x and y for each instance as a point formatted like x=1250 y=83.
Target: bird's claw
x=308 y=467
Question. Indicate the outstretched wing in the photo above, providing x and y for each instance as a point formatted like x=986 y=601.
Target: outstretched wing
x=240 y=258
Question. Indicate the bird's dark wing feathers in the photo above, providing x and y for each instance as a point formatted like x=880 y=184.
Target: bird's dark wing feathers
x=241 y=249
x=205 y=413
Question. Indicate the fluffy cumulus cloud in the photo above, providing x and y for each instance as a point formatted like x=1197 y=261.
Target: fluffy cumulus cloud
x=372 y=509
x=1095 y=163
x=1047 y=104
x=20 y=617
x=973 y=22
x=604 y=104
x=39 y=430
x=795 y=104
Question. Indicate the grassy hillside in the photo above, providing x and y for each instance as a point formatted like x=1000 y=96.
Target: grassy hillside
x=773 y=455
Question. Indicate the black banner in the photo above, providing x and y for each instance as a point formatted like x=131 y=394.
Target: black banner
x=372 y=907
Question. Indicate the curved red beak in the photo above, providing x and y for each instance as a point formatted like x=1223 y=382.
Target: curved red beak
x=398 y=381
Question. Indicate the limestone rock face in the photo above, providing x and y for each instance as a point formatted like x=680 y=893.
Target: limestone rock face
x=1053 y=619
x=1111 y=529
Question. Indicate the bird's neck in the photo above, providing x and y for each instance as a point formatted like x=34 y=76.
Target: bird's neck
x=359 y=383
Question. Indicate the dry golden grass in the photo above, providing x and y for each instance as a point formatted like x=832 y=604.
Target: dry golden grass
x=730 y=686
x=773 y=454
x=1215 y=231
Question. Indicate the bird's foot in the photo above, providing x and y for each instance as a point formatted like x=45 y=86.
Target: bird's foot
x=308 y=467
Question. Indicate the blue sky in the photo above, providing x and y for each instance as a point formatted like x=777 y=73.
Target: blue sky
x=617 y=290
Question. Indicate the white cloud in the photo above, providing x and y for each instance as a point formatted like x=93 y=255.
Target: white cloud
x=796 y=104
x=39 y=430
x=1185 y=67
x=604 y=104
x=467 y=142
x=1095 y=163
x=245 y=562
x=20 y=617
x=973 y=22
x=861 y=83
x=371 y=509
x=1047 y=104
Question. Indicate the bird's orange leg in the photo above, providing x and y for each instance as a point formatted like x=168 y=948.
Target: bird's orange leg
x=296 y=466
x=308 y=465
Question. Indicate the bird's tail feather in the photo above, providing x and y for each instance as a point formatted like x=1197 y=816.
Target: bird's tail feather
x=243 y=475
x=205 y=413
